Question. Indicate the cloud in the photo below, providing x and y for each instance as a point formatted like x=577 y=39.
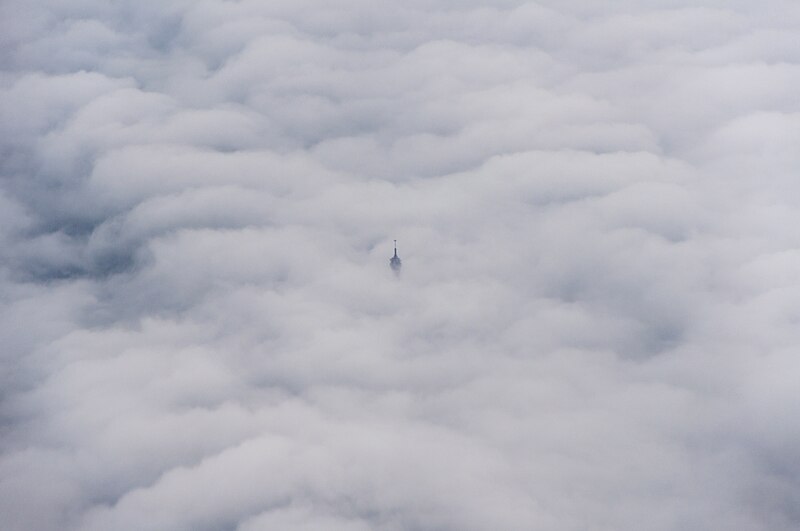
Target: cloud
x=596 y=320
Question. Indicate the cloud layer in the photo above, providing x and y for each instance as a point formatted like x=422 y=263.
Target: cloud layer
x=596 y=326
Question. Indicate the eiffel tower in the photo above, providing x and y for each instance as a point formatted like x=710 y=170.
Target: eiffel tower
x=394 y=262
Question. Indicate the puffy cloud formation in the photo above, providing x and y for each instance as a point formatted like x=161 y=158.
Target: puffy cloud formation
x=596 y=327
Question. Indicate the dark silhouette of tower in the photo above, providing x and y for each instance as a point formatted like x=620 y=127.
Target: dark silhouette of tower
x=395 y=263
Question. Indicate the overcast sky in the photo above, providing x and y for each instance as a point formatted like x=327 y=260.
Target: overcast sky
x=597 y=325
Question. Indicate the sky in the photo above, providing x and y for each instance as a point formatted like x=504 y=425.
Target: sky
x=597 y=323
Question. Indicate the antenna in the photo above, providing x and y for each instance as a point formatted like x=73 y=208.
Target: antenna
x=395 y=262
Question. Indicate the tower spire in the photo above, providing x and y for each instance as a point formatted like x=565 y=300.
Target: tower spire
x=394 y=262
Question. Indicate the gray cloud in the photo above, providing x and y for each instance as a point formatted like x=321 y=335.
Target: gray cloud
x=596 y=322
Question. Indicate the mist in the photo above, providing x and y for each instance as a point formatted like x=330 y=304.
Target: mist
x=596 y=322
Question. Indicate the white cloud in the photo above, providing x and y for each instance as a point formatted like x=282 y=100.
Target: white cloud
x=596 y=320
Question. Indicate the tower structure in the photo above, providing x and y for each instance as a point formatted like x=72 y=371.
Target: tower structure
x=394 y=262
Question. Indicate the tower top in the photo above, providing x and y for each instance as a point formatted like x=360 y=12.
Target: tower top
x=394 y=262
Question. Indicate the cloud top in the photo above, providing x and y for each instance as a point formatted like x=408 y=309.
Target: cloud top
x=596 y=322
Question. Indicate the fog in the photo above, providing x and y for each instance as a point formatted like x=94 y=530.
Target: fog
x=595 y=326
